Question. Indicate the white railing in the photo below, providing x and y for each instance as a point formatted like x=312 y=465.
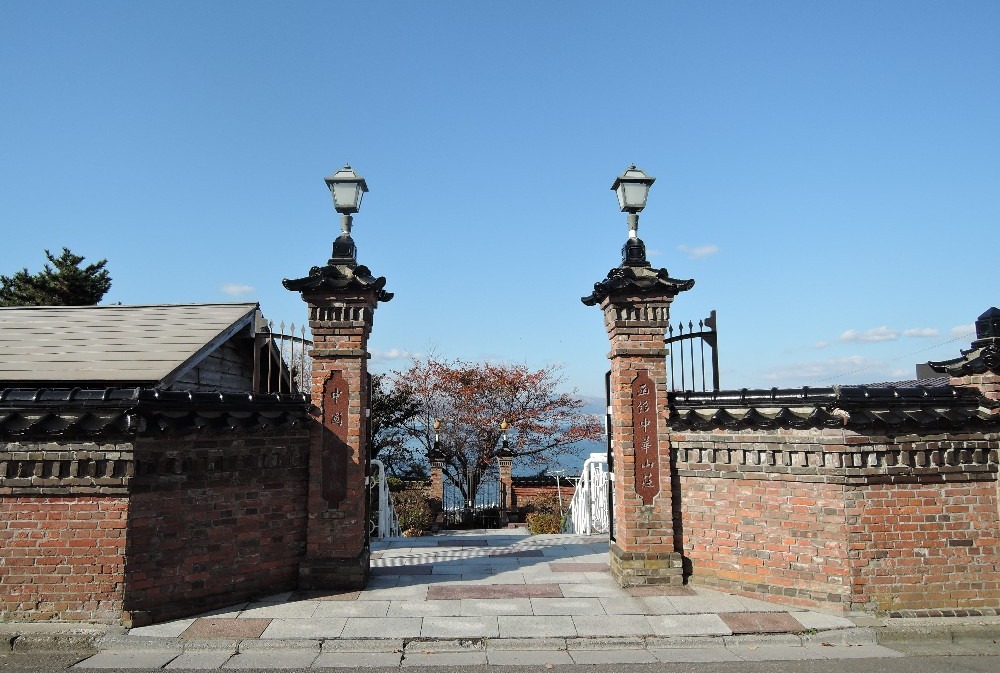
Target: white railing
x=386 y=524
x=589 y=507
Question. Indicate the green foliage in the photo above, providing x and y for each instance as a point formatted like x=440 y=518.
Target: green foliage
x=64 y=283
x=412 y=511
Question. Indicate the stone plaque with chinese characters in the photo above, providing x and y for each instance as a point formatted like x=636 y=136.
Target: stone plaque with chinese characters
x=336 y=450
x=647 y=463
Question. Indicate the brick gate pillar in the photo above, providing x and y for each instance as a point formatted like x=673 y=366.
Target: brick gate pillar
x=635 y=299
x=341 y=298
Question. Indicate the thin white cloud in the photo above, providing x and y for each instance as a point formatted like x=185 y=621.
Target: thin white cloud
x=653 y=252
x=921 y=332
x=815 y=372
x=236 y=290
x=821 y=344
x=699 y=251
x=963 y=330
x=392 y=355
x=873 y=335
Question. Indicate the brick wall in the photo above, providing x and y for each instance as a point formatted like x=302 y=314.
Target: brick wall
x=62 y=558
x=924 y=546
x=782 y=540
x=848 y=521
x=214 y=521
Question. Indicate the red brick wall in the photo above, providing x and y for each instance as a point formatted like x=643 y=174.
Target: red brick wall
x=782 y=540
x=925 y=546
x=843 y=520
x=214 y=521
x=62 y=558
x=527 y=495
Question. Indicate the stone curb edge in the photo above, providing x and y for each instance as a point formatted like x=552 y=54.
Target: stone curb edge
x=19 y=641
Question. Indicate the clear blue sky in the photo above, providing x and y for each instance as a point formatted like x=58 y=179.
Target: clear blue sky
x=828 y=172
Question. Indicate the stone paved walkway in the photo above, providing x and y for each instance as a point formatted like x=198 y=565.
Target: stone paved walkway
x=457 y=597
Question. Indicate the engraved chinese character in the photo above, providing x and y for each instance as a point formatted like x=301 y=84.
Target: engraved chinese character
x=338 y=419
x=645 y=446
x=643 y=389
x=644 y=424
x=647 y=480
x=643 y=406
x=647 y=464
x=336 y=394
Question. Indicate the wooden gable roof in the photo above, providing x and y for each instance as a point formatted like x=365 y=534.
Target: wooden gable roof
x=152 y=345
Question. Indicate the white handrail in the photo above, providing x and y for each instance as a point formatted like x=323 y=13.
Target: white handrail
x=387 y=525
x=589 y=507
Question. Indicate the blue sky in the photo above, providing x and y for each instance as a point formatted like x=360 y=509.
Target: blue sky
x=827 y=172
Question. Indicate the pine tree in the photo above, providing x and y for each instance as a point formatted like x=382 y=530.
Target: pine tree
x=64 y=283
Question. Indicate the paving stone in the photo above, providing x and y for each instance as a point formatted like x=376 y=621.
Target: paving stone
x=203 y=659
x=761 y=622
x=625 y=606
x=536 y=627
x=517 y=553
x=693 y=654
x=382 y=627
x=590 y=591
x=579 y=567
x=657 y=590
x=352 y=609
x=316 y=627
x=494 y=591
x=776 y=653
x=612 y=656
x=424 y=609
x=164 y=630
x=818 y=620
x=457 y=542
x=567 y=606
x=486 y=606
x=463 y=659
x=401 y=570
x=300 y=609
x=527 y=657
x=272 y=660
x=129 y=659
x=705 y=604
x=462 y=627
x=212 y=627
x=324 y=596
x=357 y=659
x=385 y=645
x=688 y=625
x=282 y=597
x=519 y=644
x=620 y=625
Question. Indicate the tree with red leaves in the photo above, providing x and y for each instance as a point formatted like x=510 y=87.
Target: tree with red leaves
x=472 y=401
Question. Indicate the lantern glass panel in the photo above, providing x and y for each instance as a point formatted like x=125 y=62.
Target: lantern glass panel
x=347 y=195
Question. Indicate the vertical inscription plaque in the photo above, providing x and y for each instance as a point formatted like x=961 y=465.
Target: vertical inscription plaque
x=336 y=450
x=645 y=437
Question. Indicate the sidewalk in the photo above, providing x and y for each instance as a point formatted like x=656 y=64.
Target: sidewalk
x=497 y=597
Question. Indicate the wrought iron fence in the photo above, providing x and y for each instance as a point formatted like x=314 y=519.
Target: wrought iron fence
x=707 y=334
x=281 y=361
x=472 y=499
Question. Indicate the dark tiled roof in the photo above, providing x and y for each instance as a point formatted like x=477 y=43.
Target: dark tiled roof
x=339 y=277
x=636 y=280
x=80 y=413
x=884 y=408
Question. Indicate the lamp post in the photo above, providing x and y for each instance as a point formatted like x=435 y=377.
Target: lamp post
x=347 y=188
x=632 y=188
x=505 y=461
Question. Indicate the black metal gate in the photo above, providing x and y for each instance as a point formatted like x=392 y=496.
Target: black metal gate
x=472 y=499
x=708 y=334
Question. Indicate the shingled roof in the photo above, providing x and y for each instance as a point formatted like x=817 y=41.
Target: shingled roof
x=147 y=345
